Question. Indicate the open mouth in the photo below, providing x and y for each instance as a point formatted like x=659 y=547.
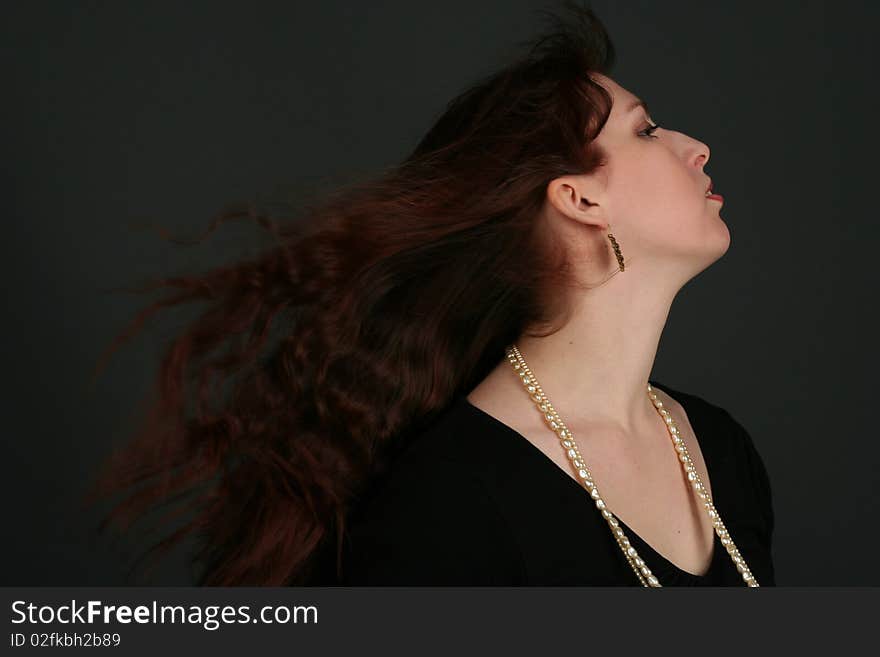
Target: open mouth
x=714 y=197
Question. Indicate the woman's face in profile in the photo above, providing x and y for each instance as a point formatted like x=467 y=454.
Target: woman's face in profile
x=655 y=194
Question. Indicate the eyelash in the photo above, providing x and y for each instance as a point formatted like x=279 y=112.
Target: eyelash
x=647 y=131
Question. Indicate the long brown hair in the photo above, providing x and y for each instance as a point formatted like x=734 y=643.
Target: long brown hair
x=387 y=299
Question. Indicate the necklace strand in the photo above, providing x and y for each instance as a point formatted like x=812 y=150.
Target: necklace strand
x=646 y=577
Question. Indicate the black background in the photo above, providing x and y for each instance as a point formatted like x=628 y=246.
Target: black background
x=117 y=113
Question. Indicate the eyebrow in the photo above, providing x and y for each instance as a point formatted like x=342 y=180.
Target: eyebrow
x=636 y=104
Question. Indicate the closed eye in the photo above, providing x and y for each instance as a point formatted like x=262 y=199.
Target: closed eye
x=647 y=132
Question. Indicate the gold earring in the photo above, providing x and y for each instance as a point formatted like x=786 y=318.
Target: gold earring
x=616 y=247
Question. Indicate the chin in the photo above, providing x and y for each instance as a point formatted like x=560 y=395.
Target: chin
x=726 y=236
x=721 y=242
x=714 y=242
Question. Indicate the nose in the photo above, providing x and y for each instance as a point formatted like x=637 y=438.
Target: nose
x=699 y=153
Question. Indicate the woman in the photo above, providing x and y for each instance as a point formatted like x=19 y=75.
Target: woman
x=459 y=392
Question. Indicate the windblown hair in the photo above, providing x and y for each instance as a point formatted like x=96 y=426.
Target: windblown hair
x=389 y=297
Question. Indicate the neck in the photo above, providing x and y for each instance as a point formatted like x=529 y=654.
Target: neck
x=595 y=370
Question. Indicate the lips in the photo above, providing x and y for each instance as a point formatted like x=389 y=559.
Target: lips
x=715 y=197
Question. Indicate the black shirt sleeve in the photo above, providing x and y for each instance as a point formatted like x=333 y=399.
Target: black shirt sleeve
x=430 y=524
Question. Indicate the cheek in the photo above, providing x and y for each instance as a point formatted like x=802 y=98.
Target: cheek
x=665 y=195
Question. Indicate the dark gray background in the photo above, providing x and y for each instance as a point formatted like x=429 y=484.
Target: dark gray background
x=123 y=112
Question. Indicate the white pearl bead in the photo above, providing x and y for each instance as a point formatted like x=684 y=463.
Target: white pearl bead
x=555 y=422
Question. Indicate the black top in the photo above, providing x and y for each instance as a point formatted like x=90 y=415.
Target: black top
x=473 y=502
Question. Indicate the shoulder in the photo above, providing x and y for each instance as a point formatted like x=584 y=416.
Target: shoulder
x=431 y=519
x=744 y=496
x=690 y=400
x=732 y=446
x=714 y=417
x=708 y=413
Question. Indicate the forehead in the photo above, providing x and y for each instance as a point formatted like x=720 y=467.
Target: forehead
x=622 y=97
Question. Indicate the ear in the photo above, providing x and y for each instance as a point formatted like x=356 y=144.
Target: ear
x=578 y=198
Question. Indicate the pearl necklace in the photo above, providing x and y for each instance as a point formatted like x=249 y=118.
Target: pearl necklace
x=646 y=577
